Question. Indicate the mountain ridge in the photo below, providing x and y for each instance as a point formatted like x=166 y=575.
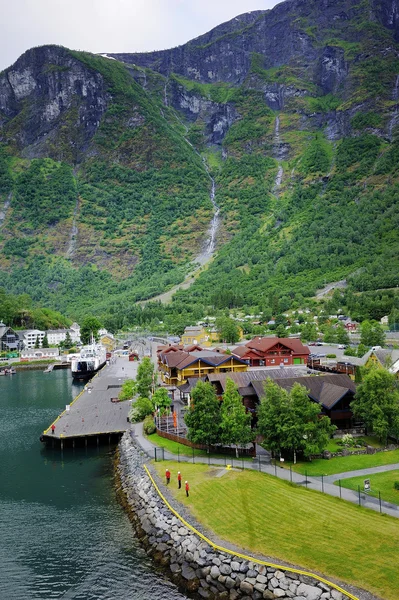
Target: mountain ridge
x=108 y=200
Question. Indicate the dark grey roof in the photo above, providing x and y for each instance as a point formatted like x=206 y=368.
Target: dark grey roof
x=326 y=389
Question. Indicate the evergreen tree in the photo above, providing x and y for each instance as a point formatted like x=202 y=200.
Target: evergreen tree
x=68 y=340
x=235 y=421
x=203 y=416
x=45 y=341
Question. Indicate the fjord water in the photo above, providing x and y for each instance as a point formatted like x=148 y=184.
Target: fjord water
x=62 y=531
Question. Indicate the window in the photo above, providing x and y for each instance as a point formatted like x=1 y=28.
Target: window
x=272 y=361
x=286 y=360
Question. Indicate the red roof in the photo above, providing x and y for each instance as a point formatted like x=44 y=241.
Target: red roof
x=264 y=344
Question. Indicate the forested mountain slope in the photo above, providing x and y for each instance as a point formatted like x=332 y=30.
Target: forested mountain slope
x=295 y=110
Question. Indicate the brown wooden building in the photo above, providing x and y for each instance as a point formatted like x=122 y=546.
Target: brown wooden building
x=273 y=352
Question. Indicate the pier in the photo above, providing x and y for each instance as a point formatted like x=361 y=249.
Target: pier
x=93 y=416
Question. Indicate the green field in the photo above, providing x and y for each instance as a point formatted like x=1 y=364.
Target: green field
x=264 y=515
x=342 y=464
x=176 y=448
x=380 y=482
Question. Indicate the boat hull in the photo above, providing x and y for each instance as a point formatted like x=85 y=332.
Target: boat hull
x=86 y=374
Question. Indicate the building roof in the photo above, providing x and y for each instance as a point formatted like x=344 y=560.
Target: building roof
x=191 y=330
x=181 y=360
x=327 y=389
x=263 y=344
x=246 y=378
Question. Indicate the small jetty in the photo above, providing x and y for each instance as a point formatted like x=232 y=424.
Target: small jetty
x=56 y=366
x=95 y=416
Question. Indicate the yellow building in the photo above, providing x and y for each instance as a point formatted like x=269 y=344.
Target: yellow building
x=177 y=367
x=195 y=336
x=107 y=340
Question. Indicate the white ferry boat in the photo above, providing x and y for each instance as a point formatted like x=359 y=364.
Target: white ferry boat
x=90 y=360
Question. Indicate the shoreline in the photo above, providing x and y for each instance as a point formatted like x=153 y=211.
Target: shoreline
x=200 y=566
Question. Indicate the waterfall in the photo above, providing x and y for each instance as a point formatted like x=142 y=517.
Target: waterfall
x=395 y=97
x=3 y=213
x=277 y=155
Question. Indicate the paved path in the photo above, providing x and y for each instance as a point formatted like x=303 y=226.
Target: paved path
x=313 y=483
x=361 y=472
x=92 y=412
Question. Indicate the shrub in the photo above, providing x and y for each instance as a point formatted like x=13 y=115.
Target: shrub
x=348 y=440
x=140 y=410
x=128 y=390
x=149 y=425
x=396 y=485
x=331 y=356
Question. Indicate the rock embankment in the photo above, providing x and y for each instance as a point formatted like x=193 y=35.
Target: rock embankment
x=193 y=564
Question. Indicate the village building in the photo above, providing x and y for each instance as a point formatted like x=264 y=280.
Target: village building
x=108 y=341
x=333 y=392
x=32 y=337
x=9 y=339
x=39 y=353
x=195 y=335
x=273 y=352
x=177 y=366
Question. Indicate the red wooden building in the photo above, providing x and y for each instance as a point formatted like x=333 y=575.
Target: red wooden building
x=273 y=352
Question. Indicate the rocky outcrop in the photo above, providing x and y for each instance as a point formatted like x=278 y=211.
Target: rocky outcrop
x=281 y=36
x=192 y=563
x=45 y=90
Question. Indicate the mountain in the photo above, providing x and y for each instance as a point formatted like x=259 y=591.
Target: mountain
x=107 y=165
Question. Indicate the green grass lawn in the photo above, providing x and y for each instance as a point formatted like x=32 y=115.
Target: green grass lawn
x=342 y=464
x=333 y=445
x=382 y=482
x=265 y=515
x=176 y=448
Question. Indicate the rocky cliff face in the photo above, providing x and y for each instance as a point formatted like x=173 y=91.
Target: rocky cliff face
x=46 y=90
x=291 y=33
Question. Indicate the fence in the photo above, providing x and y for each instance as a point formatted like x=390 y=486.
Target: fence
x=320 y=483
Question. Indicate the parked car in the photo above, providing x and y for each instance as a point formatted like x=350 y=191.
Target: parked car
x=342 y=346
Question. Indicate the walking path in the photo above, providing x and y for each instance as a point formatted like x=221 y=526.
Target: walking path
x=370 y=471
x=320 y=484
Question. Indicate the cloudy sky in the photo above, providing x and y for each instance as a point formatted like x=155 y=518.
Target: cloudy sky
x=111 y=25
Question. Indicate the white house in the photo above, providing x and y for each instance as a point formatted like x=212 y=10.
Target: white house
x=74 y=332
x=39 y=353
x=30 y=336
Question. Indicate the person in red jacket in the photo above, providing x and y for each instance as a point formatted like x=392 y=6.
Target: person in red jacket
x=179 y=480
x=167 y=475
x=52 y=428
x=187 y=488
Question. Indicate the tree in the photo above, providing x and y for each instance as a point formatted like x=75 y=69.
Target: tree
x=89 y=328
x=161 y=400
x=37 y=343
x=342 y=335
x=45 y=341
x=280 y=331
x=291 y=422
x=309 y=332
x=68 y=340
x=128 y=390
x=376 y=402
x=372 y=334
x=228 y=330
x=145 y=377
x=203 y=416
x=235 y=421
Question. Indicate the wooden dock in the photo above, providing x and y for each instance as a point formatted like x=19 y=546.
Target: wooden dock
x=92 y=417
